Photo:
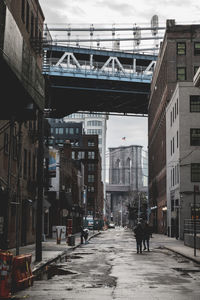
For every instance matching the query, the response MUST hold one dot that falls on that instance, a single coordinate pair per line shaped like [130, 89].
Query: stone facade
[125, 181]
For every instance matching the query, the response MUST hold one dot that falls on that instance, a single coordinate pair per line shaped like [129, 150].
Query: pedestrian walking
[146, 237]
[139, 234]
[84, 235]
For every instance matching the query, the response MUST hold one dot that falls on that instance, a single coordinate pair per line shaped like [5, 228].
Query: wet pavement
[108, 267]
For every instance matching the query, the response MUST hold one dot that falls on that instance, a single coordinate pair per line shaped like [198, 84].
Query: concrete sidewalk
[51, 251]
[176, 246]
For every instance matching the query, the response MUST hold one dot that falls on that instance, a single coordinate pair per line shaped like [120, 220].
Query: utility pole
[9, 178]
[40, 183]
[18, 200]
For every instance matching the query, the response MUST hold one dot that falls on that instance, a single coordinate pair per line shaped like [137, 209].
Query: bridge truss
[98, 79]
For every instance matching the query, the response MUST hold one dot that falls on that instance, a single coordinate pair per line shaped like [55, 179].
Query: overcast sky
[118, 11]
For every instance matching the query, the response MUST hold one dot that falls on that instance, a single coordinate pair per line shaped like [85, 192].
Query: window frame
[192, 98]
[196, 52]
[178, 50]
[192, 173]
[178, 74]
[192, 140]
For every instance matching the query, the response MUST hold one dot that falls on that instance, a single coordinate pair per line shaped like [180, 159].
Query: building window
[23, 10]
[14, 147]
[91, 155]
[71, 130]
[175, 111]
[181, 73]
[91, 167]
[196, 69]
[59, 130]
[195, 172]
[94, 123]
[25, 164]
[177, 107]
[173, 145]
[171, 177]
[27, 16]
[177, 174]
[94, 131]
[6, 143]
[171, 118]
[195, 103]
[181, 48]
[33, 166]
[73, 154]
[91, 143]
[36, 27]
[29, 164]
[195, 136]
[177, 139]
[77, 130]
[90, 178]
[81, 154]
[197, 48]
[32, 25]
[91, 189]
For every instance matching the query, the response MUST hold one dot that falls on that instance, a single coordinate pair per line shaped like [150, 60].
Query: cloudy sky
[118, 11]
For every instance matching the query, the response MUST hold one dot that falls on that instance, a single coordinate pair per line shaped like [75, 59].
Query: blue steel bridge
[96, 79]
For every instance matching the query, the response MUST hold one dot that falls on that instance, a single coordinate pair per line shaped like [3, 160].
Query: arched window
[117, 171]
[128, 171]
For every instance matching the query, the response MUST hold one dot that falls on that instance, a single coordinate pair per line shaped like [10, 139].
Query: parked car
[111, 225]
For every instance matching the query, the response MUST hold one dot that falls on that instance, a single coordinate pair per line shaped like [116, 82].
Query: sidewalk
[176, 246]
[51, 251]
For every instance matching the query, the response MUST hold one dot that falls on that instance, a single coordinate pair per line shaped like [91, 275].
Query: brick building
[178, 60]
[89, 155]
[21, 66]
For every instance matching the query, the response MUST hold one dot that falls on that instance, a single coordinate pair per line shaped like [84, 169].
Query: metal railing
[86, 69]
[189, 226]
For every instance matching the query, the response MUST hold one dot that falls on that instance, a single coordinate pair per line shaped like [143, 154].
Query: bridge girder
[120, 92]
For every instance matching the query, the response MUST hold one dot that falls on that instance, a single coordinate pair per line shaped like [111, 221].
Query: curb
[184, 255]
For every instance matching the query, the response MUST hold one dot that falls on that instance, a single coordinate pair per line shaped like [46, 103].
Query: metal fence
[189, 226]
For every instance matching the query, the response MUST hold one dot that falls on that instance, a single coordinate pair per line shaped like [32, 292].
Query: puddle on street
[184, 270]
[59, 271]
[55, 270]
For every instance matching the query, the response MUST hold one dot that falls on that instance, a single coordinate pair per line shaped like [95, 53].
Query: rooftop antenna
[154, 30]
[137, 37]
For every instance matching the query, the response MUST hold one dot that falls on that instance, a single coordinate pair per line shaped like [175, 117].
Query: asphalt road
[109, 268]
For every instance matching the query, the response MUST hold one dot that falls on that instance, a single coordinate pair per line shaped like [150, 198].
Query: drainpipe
[40, 171]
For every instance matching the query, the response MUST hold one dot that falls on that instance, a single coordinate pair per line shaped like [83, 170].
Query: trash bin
[71, 240]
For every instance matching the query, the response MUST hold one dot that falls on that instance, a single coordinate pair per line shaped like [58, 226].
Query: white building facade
[182, 156]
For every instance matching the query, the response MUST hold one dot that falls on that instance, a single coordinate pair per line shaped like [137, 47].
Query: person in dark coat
[84, 235]
[147, 234]
[139, 234]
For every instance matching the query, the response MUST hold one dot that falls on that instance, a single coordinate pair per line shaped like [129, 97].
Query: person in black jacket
[139, 235]
[147, 234]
